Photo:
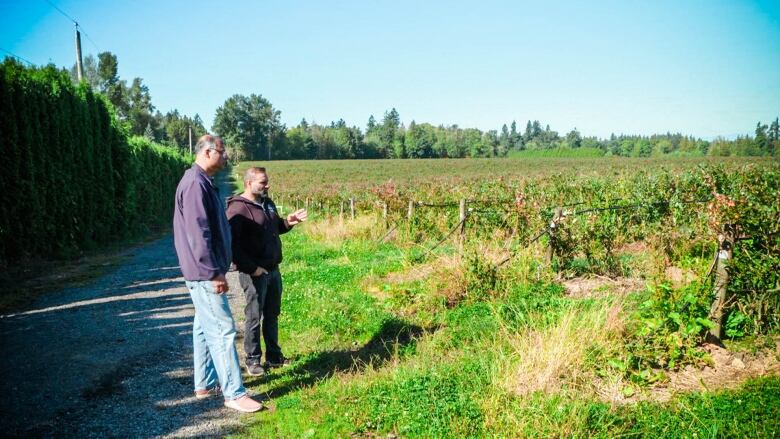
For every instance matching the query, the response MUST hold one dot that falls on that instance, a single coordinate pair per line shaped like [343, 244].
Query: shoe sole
[210, 394]
[275, 365]
[255, 374]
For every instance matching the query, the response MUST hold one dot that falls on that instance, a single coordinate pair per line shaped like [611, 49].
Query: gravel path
[112, 359]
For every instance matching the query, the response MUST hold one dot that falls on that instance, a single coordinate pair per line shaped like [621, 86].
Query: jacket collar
[200, 171]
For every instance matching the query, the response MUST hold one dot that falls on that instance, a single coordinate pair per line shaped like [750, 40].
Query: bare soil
[728, 370]
[601, 286]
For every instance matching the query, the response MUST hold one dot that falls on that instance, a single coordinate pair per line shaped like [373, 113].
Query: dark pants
[263, 301]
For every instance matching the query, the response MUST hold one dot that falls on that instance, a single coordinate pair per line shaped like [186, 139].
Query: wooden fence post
[341, 210]
[725, 253]
[410, 212]
[551, 232]
[306, 204]
[462, 218]
[352, 208]
[384, 213]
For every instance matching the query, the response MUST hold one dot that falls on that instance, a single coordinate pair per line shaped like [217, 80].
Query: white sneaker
[244, 404]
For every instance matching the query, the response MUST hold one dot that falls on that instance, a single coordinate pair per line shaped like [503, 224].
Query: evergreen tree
[149, 133]
[761, 142]
[515, 138]
[389, 134]
[504, 139]
[774, 130]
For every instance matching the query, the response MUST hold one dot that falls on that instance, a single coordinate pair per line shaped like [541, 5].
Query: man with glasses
[202, 240]
[257, 252]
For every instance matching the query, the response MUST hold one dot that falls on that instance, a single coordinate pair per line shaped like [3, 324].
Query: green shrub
[665, 331]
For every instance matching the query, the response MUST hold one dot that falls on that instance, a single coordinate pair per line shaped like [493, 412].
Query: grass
[564, 354]
[750, 411]
[379, 349]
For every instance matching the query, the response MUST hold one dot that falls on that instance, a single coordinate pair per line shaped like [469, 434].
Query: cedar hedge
[71, 178]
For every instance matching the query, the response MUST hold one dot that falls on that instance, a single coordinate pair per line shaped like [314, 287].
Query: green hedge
[71, 179]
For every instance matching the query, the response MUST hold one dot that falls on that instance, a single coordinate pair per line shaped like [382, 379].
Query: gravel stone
[111, 359]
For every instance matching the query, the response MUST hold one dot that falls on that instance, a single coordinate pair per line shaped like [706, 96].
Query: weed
[665, 331]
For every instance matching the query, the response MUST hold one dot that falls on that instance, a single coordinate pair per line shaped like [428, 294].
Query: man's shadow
[392, 337]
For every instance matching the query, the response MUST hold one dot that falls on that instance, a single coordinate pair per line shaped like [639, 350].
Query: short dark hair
[251, 172]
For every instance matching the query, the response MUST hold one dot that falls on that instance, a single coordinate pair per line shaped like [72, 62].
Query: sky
[705, 68]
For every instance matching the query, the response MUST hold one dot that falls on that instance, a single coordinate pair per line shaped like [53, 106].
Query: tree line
[72, 177]
[253, 130]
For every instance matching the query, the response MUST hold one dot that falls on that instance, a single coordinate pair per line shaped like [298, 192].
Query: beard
[260, 194]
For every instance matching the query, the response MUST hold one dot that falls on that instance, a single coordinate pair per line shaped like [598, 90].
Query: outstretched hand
[296, 217]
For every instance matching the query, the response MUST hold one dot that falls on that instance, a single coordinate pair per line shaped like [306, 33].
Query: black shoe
[255, 369]
[277, 363]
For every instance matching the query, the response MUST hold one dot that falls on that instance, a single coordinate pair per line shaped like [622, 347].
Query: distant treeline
[250, 124]
[71, 177]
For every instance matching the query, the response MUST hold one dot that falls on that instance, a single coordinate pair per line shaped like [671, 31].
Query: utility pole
[190, 129]
[79, 70]
[269, 144]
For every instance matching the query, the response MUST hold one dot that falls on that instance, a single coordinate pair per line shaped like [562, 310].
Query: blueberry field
[527, 297]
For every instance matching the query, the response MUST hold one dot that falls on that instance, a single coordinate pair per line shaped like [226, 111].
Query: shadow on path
[109, 359]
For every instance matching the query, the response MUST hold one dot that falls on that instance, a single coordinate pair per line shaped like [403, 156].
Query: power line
[90, 40]
[16, 56]
[62, 12]
[78, 26]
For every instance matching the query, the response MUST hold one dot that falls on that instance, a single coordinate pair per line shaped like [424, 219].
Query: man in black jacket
[257, 252]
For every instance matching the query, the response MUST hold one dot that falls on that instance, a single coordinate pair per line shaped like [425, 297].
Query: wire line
[16, 56]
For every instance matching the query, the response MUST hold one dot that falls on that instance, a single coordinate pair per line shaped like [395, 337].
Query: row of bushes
[71, 178]
[612, 223]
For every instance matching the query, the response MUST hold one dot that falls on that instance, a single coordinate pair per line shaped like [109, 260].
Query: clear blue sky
[705, 68]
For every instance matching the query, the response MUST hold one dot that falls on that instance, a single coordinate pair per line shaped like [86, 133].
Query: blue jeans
[213, 339]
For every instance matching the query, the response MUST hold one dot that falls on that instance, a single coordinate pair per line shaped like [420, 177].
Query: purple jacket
[201, 233]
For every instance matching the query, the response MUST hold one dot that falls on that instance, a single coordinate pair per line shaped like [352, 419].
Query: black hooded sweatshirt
[255, 228]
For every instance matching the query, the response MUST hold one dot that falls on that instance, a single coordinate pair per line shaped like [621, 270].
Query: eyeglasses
[220, 151]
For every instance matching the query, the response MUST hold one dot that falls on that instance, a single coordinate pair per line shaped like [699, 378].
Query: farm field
[499, 241]
[352, 177]
[508, 327]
